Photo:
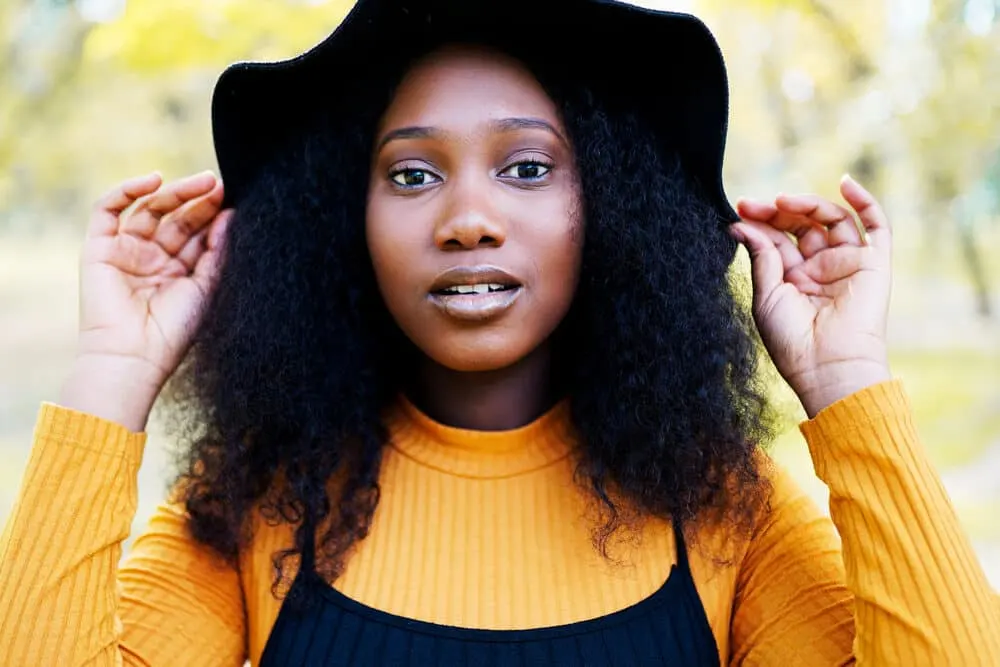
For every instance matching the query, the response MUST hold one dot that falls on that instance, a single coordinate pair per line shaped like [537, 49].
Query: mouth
[477, 288]
[475, 293]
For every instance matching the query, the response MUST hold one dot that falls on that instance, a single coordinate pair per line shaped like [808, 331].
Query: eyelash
[399, 172]
[545, 164]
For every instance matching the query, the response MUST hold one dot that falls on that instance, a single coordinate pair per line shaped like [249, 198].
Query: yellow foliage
[157, 36]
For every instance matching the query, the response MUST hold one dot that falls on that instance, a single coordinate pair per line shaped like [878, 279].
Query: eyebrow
[502, 125]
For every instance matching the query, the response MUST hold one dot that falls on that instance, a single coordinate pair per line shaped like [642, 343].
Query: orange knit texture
[488, 530]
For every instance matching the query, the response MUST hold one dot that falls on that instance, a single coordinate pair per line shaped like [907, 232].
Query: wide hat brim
[665, 66]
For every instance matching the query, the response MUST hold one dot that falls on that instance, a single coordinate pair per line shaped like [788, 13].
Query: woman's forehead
[458, 86]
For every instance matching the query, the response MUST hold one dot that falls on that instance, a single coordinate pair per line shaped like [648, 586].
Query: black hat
[664, 66]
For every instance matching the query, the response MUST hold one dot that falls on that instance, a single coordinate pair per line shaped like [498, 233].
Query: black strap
[302, 595]
[682, 556]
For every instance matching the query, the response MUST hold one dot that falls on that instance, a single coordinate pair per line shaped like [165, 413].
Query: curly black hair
[297, 359]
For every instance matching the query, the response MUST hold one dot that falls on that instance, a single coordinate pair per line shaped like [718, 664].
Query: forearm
[920, 595]
[60, 548]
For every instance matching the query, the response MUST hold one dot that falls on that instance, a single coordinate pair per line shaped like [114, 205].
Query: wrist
[118, 389]
[825, 386]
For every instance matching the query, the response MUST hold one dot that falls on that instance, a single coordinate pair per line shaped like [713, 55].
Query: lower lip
[476, 307]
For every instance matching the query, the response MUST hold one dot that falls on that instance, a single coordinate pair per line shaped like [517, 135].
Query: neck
[498, 400]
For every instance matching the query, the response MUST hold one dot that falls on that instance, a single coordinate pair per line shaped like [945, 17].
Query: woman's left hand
[821, 290]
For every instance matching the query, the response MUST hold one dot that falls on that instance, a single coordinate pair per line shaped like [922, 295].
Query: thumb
[766, 266]
[206, 270]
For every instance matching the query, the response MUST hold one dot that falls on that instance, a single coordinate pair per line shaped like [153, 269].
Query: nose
[470, 219]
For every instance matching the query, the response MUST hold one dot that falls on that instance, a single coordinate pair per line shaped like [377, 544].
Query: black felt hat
[666, 67]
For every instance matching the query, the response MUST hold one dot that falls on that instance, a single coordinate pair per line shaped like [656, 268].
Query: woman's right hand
[145, 278]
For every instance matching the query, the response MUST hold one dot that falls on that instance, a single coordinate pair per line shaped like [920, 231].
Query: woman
[468, 382]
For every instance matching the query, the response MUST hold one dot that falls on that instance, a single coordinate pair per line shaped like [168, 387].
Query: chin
[475, 353]
[476, 360]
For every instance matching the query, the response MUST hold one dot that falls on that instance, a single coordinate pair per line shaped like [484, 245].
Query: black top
[667, 628]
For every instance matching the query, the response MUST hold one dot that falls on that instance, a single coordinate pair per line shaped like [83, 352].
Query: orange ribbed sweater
[488, 530]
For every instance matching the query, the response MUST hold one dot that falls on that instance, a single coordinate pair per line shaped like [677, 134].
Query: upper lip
[473, 275]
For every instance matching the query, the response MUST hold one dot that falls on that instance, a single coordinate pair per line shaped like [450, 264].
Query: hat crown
[665, 66]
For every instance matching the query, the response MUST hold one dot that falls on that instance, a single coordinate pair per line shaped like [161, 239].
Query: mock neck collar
[481, 454]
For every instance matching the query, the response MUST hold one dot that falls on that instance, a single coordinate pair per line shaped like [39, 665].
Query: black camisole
[667, 628]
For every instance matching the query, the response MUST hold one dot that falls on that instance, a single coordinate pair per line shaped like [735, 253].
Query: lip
[474, 307]
[473, 275]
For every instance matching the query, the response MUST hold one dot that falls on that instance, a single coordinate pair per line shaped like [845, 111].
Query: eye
[413, 178]
[527, 170]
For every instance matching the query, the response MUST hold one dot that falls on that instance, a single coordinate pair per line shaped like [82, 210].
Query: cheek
[556, 253]
[560, 253]
[392, 250]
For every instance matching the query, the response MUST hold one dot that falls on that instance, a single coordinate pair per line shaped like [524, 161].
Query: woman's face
[474, 214]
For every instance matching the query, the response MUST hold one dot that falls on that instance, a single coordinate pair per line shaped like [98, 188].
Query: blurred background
[903, 94]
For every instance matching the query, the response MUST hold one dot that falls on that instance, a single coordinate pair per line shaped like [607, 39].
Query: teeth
[482, 288]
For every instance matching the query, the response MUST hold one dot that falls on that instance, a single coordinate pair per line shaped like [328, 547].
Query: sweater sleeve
[64, 600]
[904, 588]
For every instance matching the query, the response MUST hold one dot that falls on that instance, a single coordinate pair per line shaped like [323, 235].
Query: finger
[840, 223]
[811, 235]
[104, 219]
[792, 223]
[766, 266]
[814, 240]
[145, 217]
[179, 226]
[836, 264]
[752, 209]
[789, 251]
[217, 230]
[207, 269]
[209, 238]
[192, 250]
[873, 218]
